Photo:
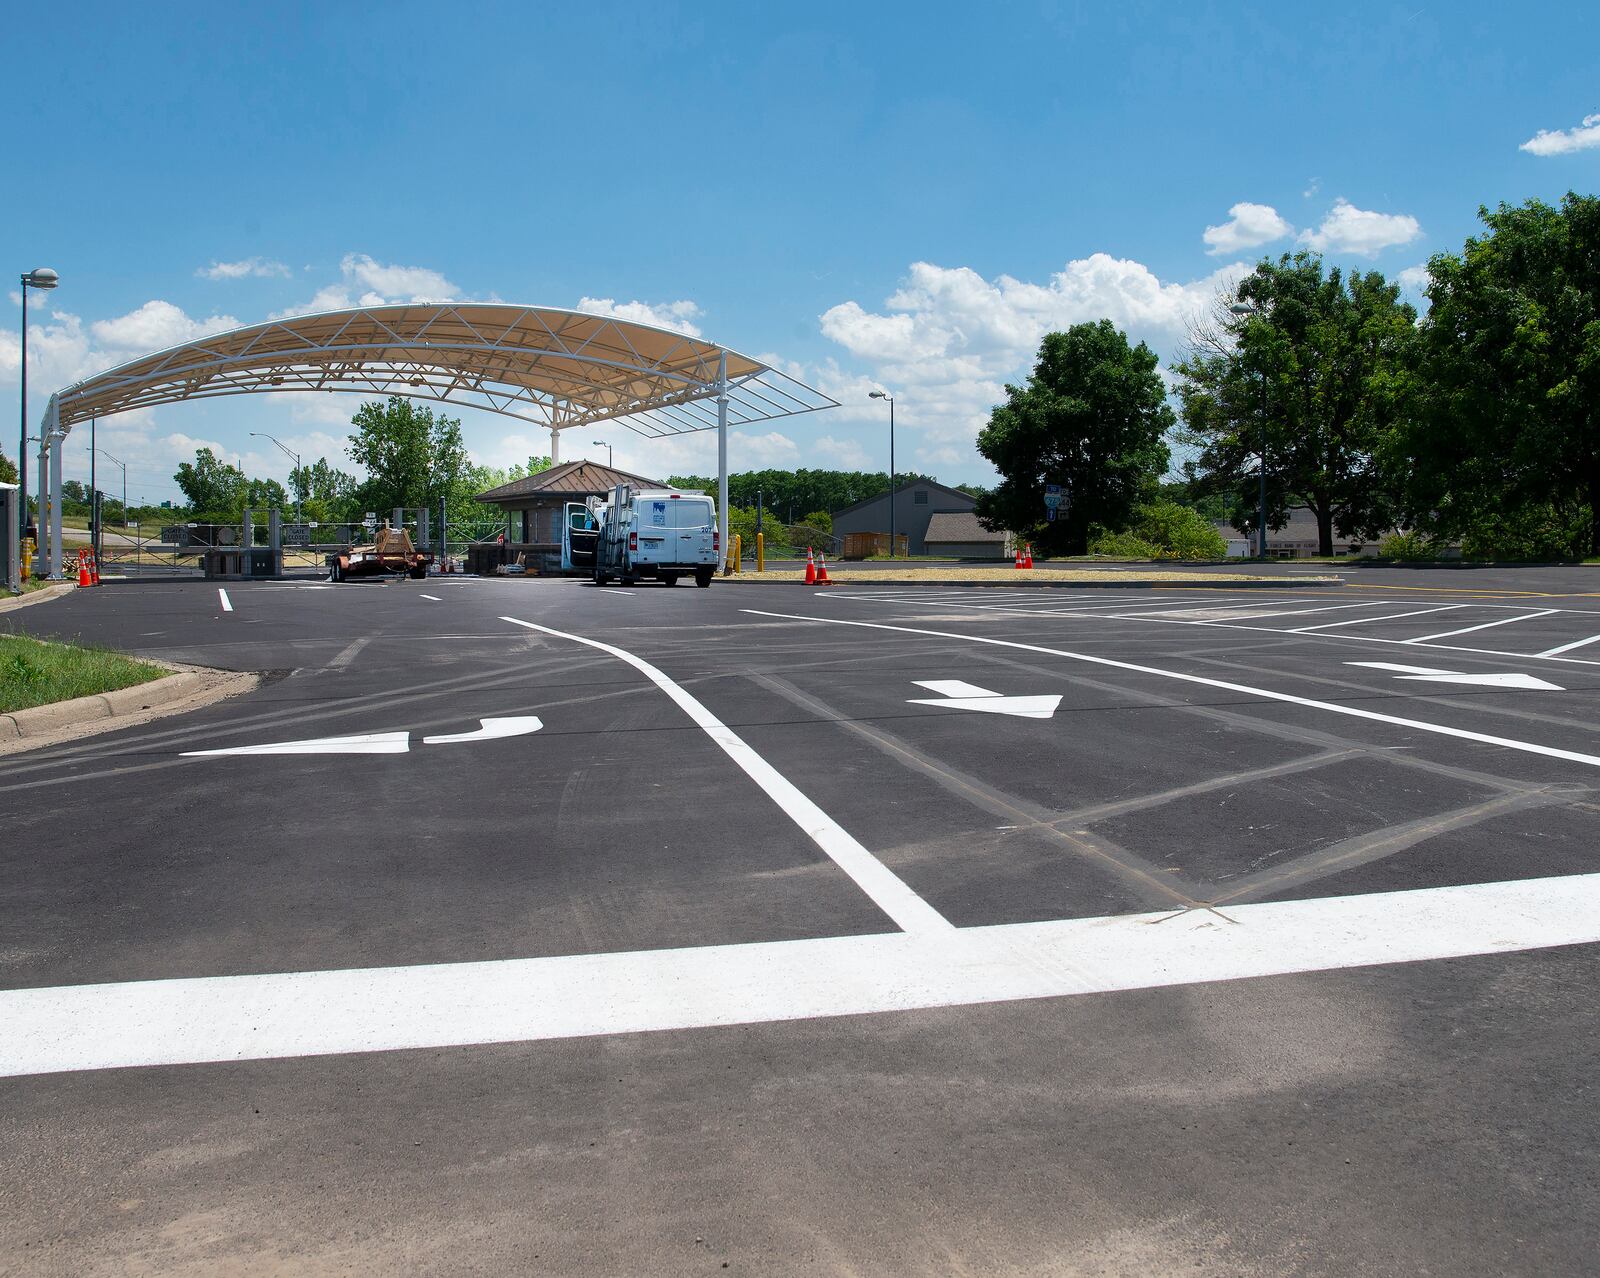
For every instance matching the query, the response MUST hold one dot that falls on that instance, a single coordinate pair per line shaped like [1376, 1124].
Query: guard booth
[248, 561]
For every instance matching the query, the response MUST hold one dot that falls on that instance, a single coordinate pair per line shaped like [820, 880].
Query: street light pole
[600, 443]
[1244, 308]
[294, 456]
[41, 278]
[893, 542]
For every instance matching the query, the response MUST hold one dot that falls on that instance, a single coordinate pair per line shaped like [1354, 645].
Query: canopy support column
[722, 458]
[57, 441]
[555, 445]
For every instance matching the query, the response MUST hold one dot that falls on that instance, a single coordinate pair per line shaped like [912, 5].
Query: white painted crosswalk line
[1487, 625]
[259, 1017]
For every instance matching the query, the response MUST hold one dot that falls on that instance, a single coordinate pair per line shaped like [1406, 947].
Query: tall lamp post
[41, 278]
[1245, 309]
[893, 542]
[600, 443]
[261, 434]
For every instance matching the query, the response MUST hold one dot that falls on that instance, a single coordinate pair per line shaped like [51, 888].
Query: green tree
[411, 456]
[8, 470]
[211, 486]
[1504, 442]
[1092, 418]
[1314, 376]
[330, 489]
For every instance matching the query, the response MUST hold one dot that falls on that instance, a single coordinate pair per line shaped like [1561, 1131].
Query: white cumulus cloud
[1347, 229]
[678, 316]
[259, 267]
[1415, 278]
[1248, 225]
[948, 340]
[153, 326]
[363, 281]
[1561, 141]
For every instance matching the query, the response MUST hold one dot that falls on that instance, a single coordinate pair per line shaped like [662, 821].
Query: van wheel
[670, 578]
[600, 578]
[702, 578]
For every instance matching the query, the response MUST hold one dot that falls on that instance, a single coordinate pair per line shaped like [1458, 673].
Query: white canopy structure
[556, 368]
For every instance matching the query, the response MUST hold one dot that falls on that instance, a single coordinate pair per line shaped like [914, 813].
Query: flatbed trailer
[390, 552]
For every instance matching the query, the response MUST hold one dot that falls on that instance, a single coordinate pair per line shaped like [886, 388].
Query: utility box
[10, 547]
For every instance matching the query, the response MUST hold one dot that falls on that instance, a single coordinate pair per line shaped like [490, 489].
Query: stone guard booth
[535, 506]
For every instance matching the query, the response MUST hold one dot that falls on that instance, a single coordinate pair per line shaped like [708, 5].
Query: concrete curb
[37, 596]
[187, 688]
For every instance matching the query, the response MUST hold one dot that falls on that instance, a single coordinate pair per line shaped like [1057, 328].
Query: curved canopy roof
[557, 368]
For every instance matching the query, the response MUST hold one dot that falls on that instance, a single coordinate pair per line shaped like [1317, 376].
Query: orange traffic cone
[1019, 558]
[822, 570]
[94, 569]
[1027, 554]
[83, 571]
[811, 567]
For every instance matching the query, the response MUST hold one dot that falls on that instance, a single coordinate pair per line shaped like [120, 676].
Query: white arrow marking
[492, 730]
[1426, 674]
[955, 695]
[369, 743]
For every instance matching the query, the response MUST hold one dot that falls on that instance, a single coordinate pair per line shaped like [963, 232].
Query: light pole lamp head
[879, 395]
[42, 277]
[1244, 308]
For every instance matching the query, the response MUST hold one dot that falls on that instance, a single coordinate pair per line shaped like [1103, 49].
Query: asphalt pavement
[529, 926]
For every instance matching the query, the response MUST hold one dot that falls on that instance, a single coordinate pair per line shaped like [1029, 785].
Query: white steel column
[555, 445]
[57, 440]
[41, 563]
[722, 455]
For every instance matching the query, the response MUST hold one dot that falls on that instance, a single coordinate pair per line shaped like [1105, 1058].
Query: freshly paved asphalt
[1431, 1117]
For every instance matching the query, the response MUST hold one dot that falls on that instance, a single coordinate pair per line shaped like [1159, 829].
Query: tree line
[1476, 423]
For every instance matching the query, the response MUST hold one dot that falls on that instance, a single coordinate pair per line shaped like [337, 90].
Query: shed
[960, 535]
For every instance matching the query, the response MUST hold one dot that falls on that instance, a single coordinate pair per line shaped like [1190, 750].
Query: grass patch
[35, 674]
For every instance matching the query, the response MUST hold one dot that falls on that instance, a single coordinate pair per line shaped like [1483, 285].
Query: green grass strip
[33, 673]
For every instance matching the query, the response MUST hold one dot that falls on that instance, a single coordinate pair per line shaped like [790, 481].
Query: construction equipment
[390, 551]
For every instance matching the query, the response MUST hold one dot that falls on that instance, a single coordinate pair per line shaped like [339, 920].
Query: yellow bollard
[761, 552]
[738, 553]
[26, 566]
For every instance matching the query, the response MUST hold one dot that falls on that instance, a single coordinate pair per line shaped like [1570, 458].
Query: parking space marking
[1568, 647]
[885, 888]
[1356, 621]
[435, 598]
[227, 604]
[1486, 625]
[261, 1017]
[1354, 712]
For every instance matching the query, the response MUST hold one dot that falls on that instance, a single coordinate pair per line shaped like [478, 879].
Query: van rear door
[692, 529]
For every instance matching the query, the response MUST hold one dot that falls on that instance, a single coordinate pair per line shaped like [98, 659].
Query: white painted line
[1487, 625]
[887, 890]
[491, 730]
[367, 743]
[1393, 616]
[1568, 647]
[1354, 712]
[953, 688]
[1428, 674]
[233, 1018]
[435, 598]
[227, 604]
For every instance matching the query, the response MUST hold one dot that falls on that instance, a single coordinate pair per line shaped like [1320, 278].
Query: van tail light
[716, 539]
[633, 541]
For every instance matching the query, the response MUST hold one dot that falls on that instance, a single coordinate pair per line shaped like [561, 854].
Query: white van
[665, 535]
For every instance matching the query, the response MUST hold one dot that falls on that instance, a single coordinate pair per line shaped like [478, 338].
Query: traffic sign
[1052, 496]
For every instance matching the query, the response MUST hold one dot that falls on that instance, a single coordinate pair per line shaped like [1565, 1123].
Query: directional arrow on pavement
[955, 695]
[385, 742]
[1426, 674]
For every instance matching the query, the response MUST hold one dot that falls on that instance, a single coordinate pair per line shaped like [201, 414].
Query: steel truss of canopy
[556, 368]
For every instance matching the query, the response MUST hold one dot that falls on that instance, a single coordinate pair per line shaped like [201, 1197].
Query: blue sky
[903, 196]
